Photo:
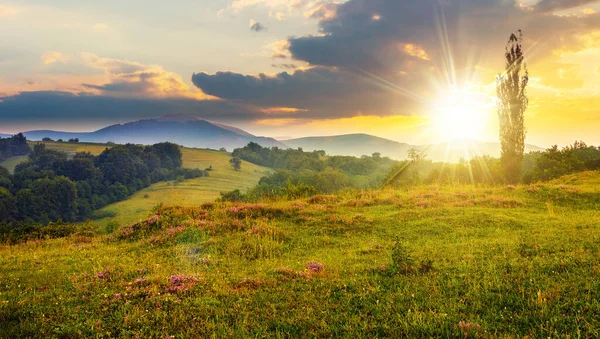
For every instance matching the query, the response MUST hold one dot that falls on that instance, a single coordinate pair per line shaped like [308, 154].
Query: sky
[410, 71]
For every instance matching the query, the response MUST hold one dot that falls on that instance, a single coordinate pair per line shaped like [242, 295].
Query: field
[190, 192]
[463, 262]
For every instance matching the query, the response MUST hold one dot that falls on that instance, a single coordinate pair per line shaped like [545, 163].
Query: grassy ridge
[190, 192]
[507, 262]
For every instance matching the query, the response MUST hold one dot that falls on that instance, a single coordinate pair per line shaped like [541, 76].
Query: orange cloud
[415, 51]
[279, 49]
[276, 122]
[282, 110]
[127, 78]
[588, 11]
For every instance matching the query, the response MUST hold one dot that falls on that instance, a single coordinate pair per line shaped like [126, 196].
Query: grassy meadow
[190, 192]
[223, 178]
[433, 261]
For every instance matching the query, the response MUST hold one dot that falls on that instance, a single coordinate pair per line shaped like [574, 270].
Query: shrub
[232, 196]
[402, 261]
[23, 231]
[297, 191]
[111, 227]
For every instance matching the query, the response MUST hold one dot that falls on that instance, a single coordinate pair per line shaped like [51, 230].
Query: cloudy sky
[291, 68]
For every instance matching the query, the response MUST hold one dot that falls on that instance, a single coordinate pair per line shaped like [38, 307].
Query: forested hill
[51, 186]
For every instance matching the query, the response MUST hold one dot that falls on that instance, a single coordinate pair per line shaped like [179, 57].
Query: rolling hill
[189, 192]
[423, 262]
[352, 145]
[364, 144]
[186, 130]
[191, 131]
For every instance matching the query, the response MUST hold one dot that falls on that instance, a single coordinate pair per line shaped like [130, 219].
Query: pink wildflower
[315, 266]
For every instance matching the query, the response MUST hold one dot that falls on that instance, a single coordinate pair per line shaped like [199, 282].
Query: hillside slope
[195, 191]
[500, 262]
[187, 193]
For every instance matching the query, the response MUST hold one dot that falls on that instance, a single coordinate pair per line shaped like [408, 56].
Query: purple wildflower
[315, 266]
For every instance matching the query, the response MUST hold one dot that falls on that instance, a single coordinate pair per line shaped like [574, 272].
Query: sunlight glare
[461, 115]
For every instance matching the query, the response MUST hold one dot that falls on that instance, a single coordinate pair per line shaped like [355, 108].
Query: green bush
[402, 261]
[111, 227]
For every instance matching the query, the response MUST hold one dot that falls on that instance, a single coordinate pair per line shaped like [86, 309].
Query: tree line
[299, 173]
[485, 170]
[13, 147]
[52, 187]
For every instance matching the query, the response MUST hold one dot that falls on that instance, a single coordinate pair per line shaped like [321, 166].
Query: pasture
[432, 261]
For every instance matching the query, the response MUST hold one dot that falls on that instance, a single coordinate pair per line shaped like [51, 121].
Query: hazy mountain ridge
[181, 129]
[192, 131]
[364, 144]
[351, 145]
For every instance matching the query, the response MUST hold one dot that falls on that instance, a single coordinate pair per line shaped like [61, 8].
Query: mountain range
[181, 129]
[192, 131]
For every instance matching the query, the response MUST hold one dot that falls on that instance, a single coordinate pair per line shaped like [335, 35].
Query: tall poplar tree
[512, 104]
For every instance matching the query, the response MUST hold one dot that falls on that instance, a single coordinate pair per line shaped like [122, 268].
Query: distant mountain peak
[180, 117]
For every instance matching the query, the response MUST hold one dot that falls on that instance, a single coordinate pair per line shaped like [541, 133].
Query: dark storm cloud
[33, 108]
[554, 5]
[366, 34]
[257, 27]
[320, 92]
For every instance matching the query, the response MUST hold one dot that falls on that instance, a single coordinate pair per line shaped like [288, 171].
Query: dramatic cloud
[127, 78]
[389, 57]
[256, 26]
[35, 109]
[318, 92]
[279, 49]
[458, 31]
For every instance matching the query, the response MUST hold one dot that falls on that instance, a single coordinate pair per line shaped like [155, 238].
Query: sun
[461, 114]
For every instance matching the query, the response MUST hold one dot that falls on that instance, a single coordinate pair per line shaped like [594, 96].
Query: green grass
[190, 192]
[12, 162]
[514, 262]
